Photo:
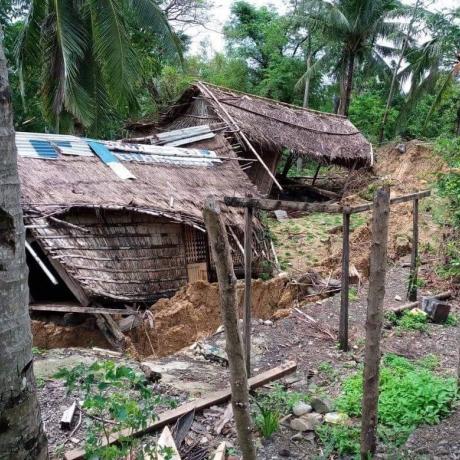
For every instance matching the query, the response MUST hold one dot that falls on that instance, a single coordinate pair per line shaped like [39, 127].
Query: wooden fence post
[376, 295]
[247, 287]
[345, 281]
[227, 292]
[412, 291]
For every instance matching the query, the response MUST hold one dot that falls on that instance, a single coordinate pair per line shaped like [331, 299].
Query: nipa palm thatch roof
[272, 126]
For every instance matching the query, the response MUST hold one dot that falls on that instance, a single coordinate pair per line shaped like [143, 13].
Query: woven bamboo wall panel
[195, 245]
[117, 255]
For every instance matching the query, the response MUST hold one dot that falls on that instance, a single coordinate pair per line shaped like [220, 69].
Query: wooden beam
[240, 133]
[67, 416]
[394, 200]
[61, 308]
[273, 205]
[409, 306]
[374, 321]
[345, 282]
[247, 288]
[170, 416]
[412, 290]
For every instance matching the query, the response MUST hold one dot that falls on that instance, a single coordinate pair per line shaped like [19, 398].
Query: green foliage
[353, 294]
[366, 112]
[410, 394]
[116, 398]
[267, 421]
[413, 321]
[452, 320]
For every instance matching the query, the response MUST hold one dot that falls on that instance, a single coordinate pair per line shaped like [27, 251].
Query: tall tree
[21, 430]
[84, 51]
[356, 26]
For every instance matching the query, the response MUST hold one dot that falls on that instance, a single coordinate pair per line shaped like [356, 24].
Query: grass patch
[411, 394]
[411, 320]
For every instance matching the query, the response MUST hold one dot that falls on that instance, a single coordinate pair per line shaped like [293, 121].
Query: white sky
[221, 14]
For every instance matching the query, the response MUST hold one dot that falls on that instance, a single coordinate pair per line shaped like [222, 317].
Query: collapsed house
[113, 223]
[261, 129]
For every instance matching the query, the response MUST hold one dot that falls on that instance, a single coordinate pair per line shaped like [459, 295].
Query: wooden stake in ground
[247, 288]
[345, 283]
[376, 294]
[412, 291]
[220, 249]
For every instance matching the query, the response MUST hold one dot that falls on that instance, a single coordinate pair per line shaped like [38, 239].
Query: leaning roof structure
[273, 126]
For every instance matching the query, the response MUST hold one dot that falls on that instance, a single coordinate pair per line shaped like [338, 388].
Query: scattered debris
[67, 416]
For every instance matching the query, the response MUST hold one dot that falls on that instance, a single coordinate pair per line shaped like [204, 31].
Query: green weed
[413, 321]
[410, 394]
[452, 320]
[353, 294]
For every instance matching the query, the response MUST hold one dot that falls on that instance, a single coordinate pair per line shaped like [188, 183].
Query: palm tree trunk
[306, 93]
[343, 89]
[395, 74]
[21, 431]
[347, 85]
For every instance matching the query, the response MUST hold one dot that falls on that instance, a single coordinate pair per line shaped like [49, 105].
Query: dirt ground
[193, 316]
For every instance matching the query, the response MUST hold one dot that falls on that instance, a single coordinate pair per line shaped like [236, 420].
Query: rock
[398, 298]
[403, 245]
[284, 453]
[301, 425]
[336, 418]
[307, 422]
[268, 322]
[285, 420]
[301, 408]
[282, 313]
[321, 405]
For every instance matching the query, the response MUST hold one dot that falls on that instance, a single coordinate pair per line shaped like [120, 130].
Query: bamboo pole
[240, 133]
[345, 282]
[247, 288]
[227, 291]
[412, 291]
[376, 295]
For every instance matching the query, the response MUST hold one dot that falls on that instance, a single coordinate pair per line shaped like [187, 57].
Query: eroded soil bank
[191, 315]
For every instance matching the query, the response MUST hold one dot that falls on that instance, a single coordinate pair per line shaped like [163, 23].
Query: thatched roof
[171, 190]
[271, 125]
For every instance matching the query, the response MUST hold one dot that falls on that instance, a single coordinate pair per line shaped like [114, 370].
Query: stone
[299, 424]
[284, 453]
[268, 322]
[301, 408]
[321, 405]
[336, 418]
[398, 298]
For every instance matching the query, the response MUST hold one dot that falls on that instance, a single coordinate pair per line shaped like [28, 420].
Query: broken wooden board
[220, 452]
[67, 416]
[172, 415]
[166, 444]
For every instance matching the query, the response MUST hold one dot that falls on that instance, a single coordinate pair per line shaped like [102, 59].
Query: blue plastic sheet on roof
[43, 148]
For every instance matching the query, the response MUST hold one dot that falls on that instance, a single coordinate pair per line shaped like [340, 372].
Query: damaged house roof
[73, 188]
[268, 126]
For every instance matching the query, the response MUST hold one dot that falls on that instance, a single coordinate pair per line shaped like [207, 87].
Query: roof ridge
[273, 101]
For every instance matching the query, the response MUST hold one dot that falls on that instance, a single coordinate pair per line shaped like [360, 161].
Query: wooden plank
[272, 205]
[247, 288]
[215, 398]
[345, 283]
[412, 291]
[67, 416]
[77, 309]
[219, 454]
[166, 441]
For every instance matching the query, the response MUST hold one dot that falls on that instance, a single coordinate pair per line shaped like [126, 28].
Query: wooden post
[247, 288]
[412, 291]
[345, 281]
[227, 292]
[316, 174]
[376, 294]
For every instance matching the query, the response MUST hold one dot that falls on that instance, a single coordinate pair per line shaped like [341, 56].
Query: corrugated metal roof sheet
[49, 146]
[41, 145]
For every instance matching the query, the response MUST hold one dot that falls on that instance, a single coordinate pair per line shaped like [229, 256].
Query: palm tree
[356, 25]
[21, 430]
[83, 48]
